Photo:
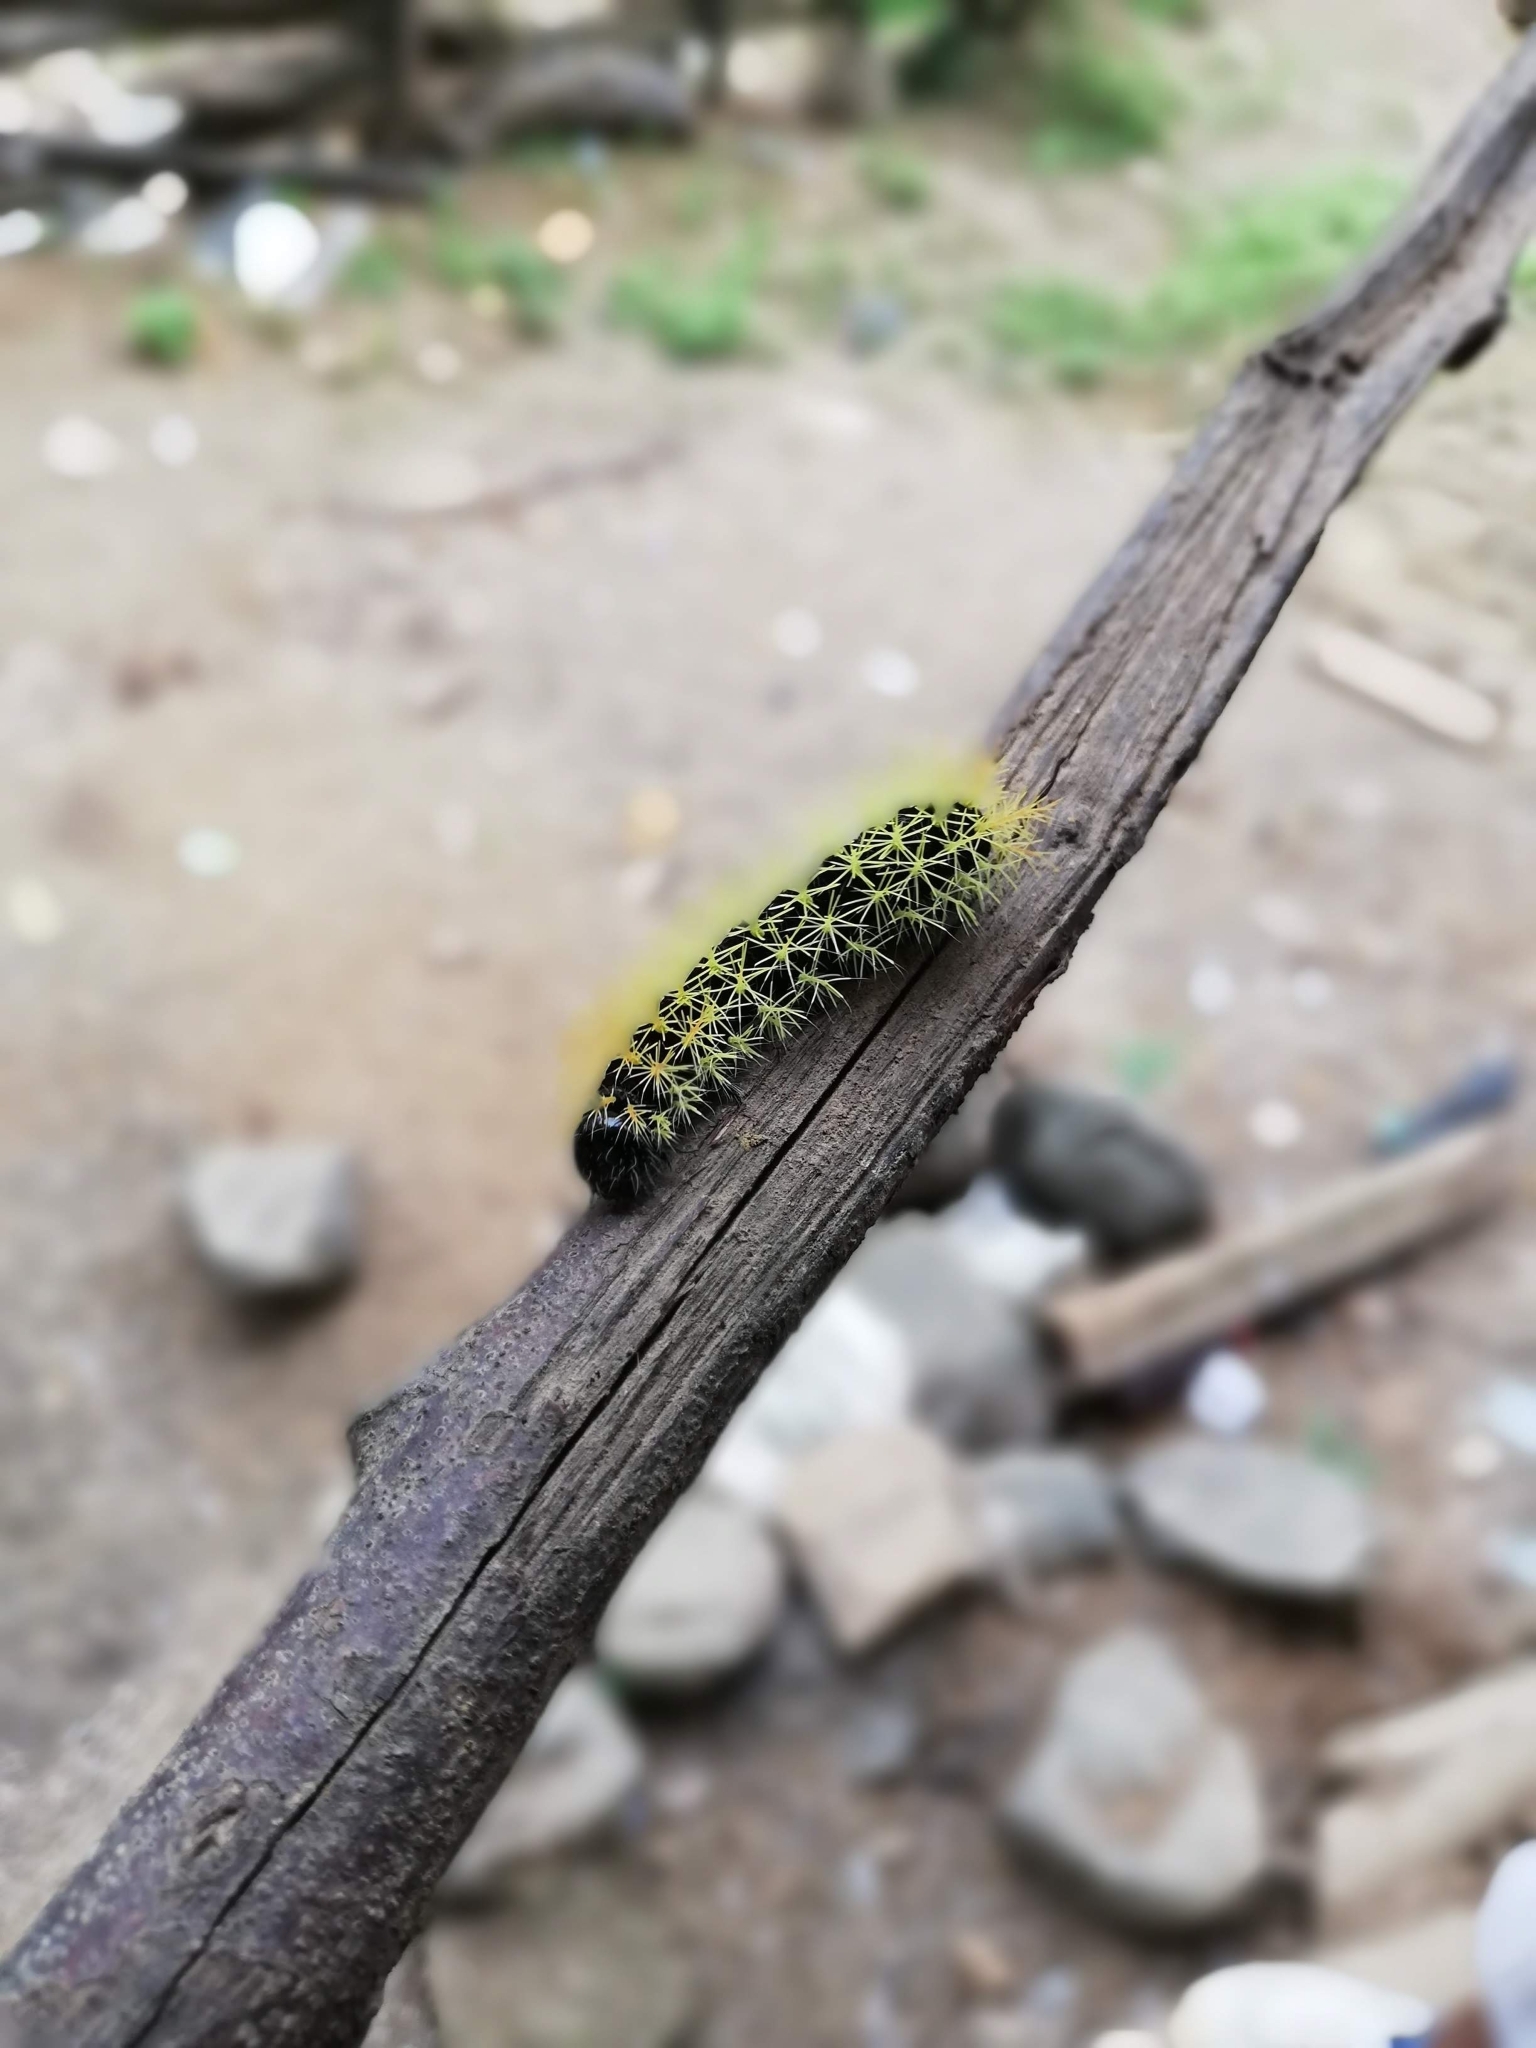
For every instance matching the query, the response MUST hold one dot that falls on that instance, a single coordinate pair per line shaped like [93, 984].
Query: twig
[261, 1885]
[26, 158]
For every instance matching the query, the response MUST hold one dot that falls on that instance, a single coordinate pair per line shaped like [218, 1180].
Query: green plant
[1177, 13]
[534, 286]
[1077, 331]
[1099, 105]
[896, 178]
[377, 271]
[163, 326]
[694, 318]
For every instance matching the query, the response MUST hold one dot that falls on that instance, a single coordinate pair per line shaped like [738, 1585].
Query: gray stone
[880, 1741]
[1268, 1519]
[1014, 1255]
[1039, 1510]
[581, 1764]
[1077, 1159]
[872, 321]
[978, 1377]
[596, 89]
[1293, 2005]
[581, 1957]
[698, 1602]
[275, 1219]
[878, 1524]
[1138, 1794]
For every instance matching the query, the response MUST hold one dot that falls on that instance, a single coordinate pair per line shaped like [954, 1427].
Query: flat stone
[698, 1602]
[1138, 1794]
[1293, 2005]
[1268, 1519]
[1013, 1255]
[1503, 1702]
[1039, 1510]
[878, 1525]
[846, 1367]
[580, 1956]
[275, 1219]
[1087, 1161]
[977, 1376]
[580, 1766]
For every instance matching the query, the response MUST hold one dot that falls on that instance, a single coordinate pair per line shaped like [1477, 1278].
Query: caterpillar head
[617, 1157]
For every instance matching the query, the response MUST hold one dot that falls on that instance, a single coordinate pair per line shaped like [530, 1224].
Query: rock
[846, 1367]
[1085, 1160]
[275, 1219]
[980, 1966]
[698, 1602]
[1502, 1703]
[407, 2018]
[959, 1152]
[1138, 1794]
[1267, 1519]
[1012, 1254]
[976, 1373]
[581, 1764]
[590, 89]
[1506, 1967]
[880, 1741]
[1040, 1510]
[878, 1525]
[1433, 1959]
[872, 321]
[1519, 13]
[1293, 2005]
[582, 1957]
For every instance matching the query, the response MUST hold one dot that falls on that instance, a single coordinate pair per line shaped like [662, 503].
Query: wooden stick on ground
[1108, 1331]
[256, 1891]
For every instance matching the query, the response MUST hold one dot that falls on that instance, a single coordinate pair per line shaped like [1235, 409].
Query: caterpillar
[892, 892]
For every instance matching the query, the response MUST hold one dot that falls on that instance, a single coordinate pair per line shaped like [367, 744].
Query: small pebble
[167, 192]
[81, 449]
[21, 230]
[638, 881]
[890, 673]
[1275, 1125]
[1212, 989]
[566, 236]
[980, 1965]
[209, 854]
[173, 441]
[1226, 1395]
[127, 226]
[797, 635]
[652, 820]
[36, 914]
[275, 246]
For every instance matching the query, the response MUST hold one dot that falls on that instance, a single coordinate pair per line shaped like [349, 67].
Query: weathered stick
[27, 158]
[1109, 1331]
[256, 1891]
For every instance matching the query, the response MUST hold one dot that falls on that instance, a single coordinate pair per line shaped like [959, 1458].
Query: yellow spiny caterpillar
[890, 893]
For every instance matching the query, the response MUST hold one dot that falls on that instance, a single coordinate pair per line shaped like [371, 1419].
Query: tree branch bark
[257, 1890]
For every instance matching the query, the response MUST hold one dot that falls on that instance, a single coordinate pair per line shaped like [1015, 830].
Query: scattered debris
[208, 853]
[578, 1770]
[1073, 1158]
[36, 915]
[1040, 1510]
[974, 1368]
[845, 1368]
[1138, 1794]
[1168, 1310]
[275, 1219]
[1416, 692]
[697, 1603]
[1225, 1396]
[878, 1524]
[1276, 1124]
[890, 672]
[81, 449]
[1268, 1519]
[1294, 2005]
[1487, 1088]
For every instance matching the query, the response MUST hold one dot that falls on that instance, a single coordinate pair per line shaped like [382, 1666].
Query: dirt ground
[422, 731]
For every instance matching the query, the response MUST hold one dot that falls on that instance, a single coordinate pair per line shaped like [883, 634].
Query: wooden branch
[26, 158]
[1108, 1331]
[260, 1886]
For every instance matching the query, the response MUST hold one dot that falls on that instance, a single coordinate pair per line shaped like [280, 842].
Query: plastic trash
[1487, 1087]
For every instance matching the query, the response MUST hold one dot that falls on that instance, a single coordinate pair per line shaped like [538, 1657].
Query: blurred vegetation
[163, 327]
[377, 271]
[694, 315]
[896, 177]
[1264, 258]
[533, 287]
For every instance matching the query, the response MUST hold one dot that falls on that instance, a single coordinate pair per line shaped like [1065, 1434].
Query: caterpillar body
[886, 896]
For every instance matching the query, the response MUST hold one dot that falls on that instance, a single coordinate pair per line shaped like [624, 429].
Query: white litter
[797, 635]
[20, 230]
[890, 673]
[80, 448]
[15, 107]
[167, 192]
[275, 248]
[127, 226]
[1212, 989]
[1226, 1396]
[1506, 1960]
[173, 441]
[36, 914]
[208, 853]
[1275, 1125]
[1434, 702]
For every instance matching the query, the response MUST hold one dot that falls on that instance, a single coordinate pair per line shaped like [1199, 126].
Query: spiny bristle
[892, 892]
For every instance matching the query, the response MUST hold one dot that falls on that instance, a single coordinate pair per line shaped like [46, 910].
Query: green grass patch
[694, 316]
[1262, 261]
[163, 327]
[898, 179]
[534, 287]
[376, 272]
[1175, 13]
[1099, 104]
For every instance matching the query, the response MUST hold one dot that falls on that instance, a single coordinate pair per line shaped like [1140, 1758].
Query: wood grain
[257, 1890]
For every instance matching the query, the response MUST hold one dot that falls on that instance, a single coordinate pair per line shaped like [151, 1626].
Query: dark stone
[1072, 1158]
